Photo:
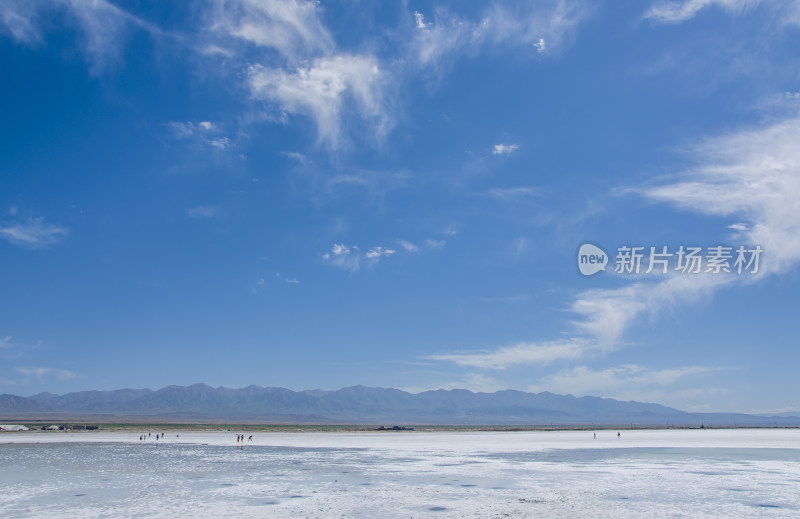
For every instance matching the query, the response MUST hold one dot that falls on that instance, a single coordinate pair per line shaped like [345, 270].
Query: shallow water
[393, 476]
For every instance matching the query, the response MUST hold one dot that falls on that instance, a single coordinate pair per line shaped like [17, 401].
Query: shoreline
[425, 441]
[81, 426]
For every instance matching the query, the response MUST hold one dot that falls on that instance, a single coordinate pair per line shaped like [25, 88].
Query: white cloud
[292, 281]
[290, 27]
[681, 11]
[340, 248]
[377, 252]
[607, 313]
[42, 372]
[324, 90]
[302, 72]
[435, 244]
[434, 41]
[299, 157]
[202, 211]
[751, 176]
[513, 193]
[625, 380]
[375, 181]
[350, 258]
[408, 246]
[784, 12]
[223, 143]
[521, 354]
[204, 134]
[503, 149]
[529, 23]
[33, 233]
[103, 25]
[18, 18]
[542, 25]
[342, 257]
[420, 20]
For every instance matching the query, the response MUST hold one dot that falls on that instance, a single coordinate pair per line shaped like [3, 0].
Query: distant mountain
[12, 404]
[360, 404]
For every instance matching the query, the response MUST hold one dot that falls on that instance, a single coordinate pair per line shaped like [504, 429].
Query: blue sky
[318, 195]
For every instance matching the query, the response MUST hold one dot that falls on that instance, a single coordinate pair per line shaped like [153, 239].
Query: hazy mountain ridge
[366, 405]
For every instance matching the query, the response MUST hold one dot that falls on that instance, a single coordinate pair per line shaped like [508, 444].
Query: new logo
[591, 259]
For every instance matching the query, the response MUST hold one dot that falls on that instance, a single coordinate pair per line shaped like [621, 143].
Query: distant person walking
[618, 435]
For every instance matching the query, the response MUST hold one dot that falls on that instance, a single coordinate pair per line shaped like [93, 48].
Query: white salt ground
[648, 473]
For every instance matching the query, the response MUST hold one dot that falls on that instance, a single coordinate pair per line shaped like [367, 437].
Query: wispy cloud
[408, 246]
[204, 133]
[582, 380]
[324, 90]
[783, 12]
[292, 28]
[680, 11]
[294, 65]
[377, 252]
[352, 258]
[522, 354]
[323, 179]
[103, 25]
[541, 26]
[258, 286]
[435, 244]
[18, 18]
[751, 177]
[342, 257]
[509, 194]
[12, 349]
[203, 211]
[33, 233]
[504, 149]
[42, 372]
[296, 68]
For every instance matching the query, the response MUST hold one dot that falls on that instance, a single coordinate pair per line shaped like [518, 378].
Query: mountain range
[201, 403]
